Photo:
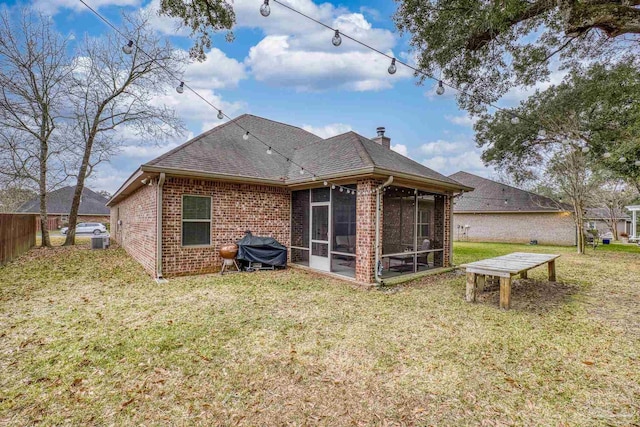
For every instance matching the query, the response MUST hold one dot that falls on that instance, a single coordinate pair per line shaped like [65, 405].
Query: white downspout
[377, 247]
[159, 228]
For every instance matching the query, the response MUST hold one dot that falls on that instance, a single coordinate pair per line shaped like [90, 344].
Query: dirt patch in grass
[86, 337]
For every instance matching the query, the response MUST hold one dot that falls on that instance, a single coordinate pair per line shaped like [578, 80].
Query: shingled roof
[223, 151]
[59, 202]
[490, 196]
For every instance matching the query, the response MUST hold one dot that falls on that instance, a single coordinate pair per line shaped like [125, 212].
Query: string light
[392, 68]
[585, 149]
[265, 10]
[220, 115]
[440, 89]
[515, 120]
[333, 186]
[180, 87]
[313, 178]
[336, 40]
[606, 155]
[637, 163]
[341, 189]
[128, 48]
[246, 137]
[622, 159]
[269, 150]
[301, 171]
[324, 183]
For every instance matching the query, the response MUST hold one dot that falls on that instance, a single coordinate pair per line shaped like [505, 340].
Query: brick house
[496, 212]
[92, 207]
[211, 189]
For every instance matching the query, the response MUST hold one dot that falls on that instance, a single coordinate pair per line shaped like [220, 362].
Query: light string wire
[183, 85]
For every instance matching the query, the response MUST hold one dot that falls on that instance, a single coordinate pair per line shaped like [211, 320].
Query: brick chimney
[381, 139]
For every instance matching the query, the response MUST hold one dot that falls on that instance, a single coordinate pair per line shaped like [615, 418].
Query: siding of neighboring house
[553, 228]
[265, 210]
[602, 227]
[137, 233]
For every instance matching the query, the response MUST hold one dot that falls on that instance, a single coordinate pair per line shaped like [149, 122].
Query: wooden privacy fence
[17, 235]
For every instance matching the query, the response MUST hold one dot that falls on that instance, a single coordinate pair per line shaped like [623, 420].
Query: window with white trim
[196, 220]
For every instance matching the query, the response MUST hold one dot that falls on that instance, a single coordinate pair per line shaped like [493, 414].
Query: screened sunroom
[326, 230]
[323, 229]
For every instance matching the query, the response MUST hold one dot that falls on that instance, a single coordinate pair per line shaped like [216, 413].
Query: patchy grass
[86, 337]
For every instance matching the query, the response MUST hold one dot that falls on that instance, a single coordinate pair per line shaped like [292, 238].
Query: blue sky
[285, 68]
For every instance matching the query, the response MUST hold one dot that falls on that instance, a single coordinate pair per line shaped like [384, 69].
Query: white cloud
[218, 71]
[298, 53]
[276, 61]
[448, 157]
[400, 148]
[329, 130]
[463, 120]
[54, 6]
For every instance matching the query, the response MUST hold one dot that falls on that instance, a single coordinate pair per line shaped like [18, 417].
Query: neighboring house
[496, 212]
[92, 207]
[600, 218]
[175, 211]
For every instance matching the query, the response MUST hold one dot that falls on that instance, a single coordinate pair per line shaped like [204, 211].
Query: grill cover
[266, 250]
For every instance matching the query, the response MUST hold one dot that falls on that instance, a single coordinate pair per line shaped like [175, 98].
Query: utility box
[99, 242]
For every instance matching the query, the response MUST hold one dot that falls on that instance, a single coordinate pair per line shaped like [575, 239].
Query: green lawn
[87, 338]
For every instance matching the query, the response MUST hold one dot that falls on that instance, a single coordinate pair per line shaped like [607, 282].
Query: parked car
[87, 228]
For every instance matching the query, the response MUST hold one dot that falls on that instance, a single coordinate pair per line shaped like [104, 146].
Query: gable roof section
[490, 196]
[59, 202]
[604, 213]
[222, 153]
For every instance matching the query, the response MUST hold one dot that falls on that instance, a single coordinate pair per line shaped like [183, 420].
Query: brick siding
[366, 230]
[554, 228]
[265, 210]
[137, 234]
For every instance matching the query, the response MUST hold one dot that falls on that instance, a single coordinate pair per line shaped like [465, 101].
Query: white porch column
[634, 220]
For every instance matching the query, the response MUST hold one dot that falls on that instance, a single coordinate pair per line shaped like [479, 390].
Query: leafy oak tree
[560, 136]
[489, 47]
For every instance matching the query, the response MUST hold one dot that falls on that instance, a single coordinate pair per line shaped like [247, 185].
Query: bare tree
[114, 91]
[34, 69]
[610, 198]
[11, 198]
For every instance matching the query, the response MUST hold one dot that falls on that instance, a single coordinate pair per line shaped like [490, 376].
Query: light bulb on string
[585, 149]
[269, 150]
[606, 155]
[333, 186]
[128, 48]
[336, 40]
[220, 115]
[637, 163]
[313, 178]
[246, 136]
[265, 10]
[180, 87]
[392, 68]
[622, 159]
[440, 89]
[325, 183]
[515, 120]
[341, 189]
[301, 171]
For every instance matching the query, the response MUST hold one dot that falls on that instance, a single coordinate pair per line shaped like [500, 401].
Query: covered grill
[264, 250]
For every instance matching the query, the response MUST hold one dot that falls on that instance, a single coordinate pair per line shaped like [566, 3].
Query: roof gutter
[208, 175]
[376, 273]
[161, 180]
[448, 185]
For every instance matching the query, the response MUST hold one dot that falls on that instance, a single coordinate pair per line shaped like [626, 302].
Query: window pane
[300, 218]
[196, 233]
[344, 221]
[320, 194]
[320, 223]
[320, 249]
[398, 221]
[195, 207]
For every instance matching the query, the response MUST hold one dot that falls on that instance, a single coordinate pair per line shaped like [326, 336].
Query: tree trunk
[77, 195]
[44, 226]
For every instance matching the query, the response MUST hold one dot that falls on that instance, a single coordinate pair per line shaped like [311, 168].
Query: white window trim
[210, 221]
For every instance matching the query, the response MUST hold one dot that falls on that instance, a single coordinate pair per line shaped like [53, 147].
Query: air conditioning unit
[99, 242]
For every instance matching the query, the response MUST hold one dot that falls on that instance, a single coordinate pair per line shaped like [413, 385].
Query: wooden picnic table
[505, 267]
